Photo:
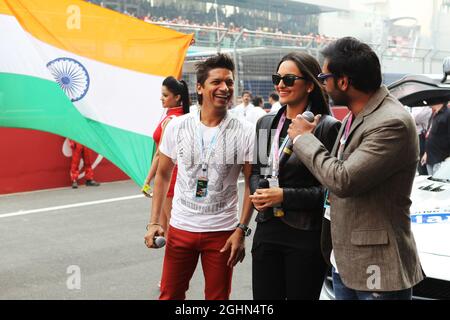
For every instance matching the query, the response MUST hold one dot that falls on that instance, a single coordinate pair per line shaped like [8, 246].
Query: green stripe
[33, 103]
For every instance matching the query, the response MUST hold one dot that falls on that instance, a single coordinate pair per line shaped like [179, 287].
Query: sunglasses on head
[288, 79]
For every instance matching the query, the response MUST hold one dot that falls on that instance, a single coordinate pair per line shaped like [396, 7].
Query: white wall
[364, 26]
[411, 66]
[402, 66]
[365, 20]
[422, 10]
[443, 41]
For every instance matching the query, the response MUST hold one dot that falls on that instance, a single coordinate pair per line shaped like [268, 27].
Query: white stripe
[69, 206]
[18, 54]
[118, 97]
[75, 205]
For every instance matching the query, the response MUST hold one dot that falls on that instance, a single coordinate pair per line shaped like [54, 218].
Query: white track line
[68, 206]
[75, 205]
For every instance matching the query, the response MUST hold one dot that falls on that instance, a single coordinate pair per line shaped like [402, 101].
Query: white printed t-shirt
[249, 113]
[233, 143]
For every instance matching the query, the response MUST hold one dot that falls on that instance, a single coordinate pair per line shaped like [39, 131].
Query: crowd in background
[290, 25]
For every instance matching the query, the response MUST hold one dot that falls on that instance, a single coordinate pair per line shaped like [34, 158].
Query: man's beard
[338, 98]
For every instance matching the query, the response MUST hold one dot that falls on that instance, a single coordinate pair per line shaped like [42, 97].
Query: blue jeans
[342, 292]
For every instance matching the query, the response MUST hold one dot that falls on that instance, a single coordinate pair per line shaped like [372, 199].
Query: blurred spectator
[421, 118]
[246, 99]
[437, 143]
[78, 151]
[274, 102]
[242, 111]
[258, 101]
[258, 110]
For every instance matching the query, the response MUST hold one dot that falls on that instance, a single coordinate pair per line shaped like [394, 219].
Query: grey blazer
[370, 195]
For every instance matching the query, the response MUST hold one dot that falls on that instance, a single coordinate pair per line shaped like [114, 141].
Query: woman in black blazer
[287, 258]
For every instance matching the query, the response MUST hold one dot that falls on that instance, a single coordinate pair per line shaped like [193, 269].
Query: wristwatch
[246, 229]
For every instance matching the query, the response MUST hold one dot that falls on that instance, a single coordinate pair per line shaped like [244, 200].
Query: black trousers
[422, 141]
[281, 272]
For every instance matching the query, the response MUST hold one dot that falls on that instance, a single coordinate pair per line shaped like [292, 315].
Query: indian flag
[87, 73]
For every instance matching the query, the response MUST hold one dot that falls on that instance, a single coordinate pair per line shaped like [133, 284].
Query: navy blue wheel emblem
[71, 76]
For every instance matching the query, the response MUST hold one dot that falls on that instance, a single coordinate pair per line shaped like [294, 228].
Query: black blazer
[303, 196]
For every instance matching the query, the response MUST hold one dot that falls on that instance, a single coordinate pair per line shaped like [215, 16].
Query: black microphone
[277, 210]
[287, 151]
[263, 184]
[159, 241]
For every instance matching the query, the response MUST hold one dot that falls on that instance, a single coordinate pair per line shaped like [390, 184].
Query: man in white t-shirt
[247, 110]
[274, 102]
[257, 111]
[210, 147]
[242, 110]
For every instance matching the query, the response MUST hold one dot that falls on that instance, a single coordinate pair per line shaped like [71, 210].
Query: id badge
[273, 182]
[326, 205]
[327, 214]
[201, 187]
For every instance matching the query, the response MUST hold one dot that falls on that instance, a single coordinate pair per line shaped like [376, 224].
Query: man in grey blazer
[369, 175]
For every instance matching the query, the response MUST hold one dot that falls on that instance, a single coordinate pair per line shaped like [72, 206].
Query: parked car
[430, 209]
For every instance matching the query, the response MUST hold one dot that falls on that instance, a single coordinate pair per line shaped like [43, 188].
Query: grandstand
[257, 33]
[285, 16]
[243, 28]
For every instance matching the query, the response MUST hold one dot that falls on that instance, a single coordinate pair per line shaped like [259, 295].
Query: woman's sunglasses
[288, 79]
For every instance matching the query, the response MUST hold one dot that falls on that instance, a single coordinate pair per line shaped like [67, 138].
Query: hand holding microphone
[299, 126]
[262, 184]
[159, 241]
[266, 196]
[156, 233]
[308, 115]
[287, 150]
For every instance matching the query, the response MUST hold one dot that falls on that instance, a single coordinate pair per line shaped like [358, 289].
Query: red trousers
[79, 150]
[182, 251]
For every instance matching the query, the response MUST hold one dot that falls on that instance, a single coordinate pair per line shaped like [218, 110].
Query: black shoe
[92, 183]
[74, 184]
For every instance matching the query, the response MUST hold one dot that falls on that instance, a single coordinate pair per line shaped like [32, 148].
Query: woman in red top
[175, 98]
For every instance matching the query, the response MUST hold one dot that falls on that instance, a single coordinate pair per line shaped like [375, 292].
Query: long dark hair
[178, 88]
[310, 68]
